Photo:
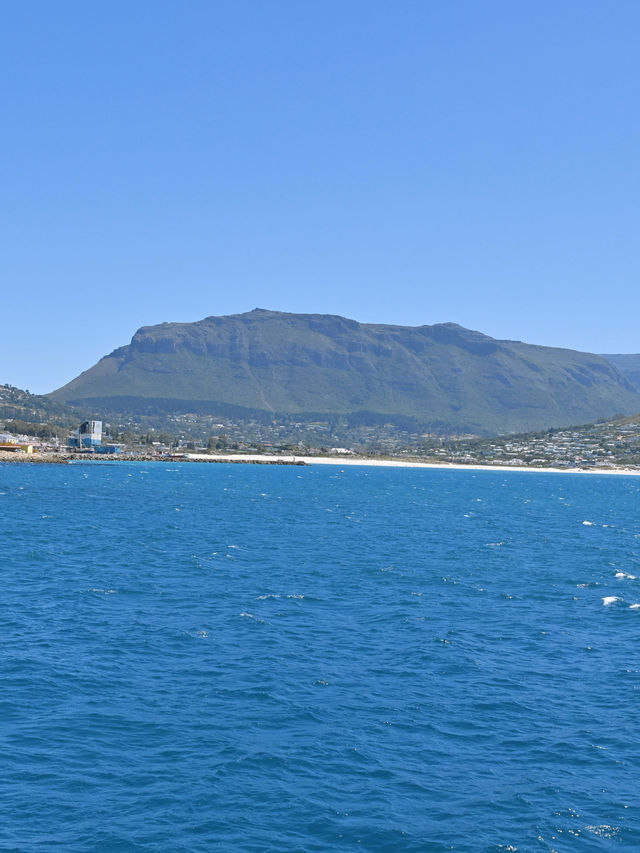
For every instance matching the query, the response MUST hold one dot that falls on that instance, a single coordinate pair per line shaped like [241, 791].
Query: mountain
[265, 363]
[628, 366]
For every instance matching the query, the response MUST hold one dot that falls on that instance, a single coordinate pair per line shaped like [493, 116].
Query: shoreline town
[87, 445]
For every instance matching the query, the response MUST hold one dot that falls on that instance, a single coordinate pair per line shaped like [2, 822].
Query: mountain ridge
[265, 362]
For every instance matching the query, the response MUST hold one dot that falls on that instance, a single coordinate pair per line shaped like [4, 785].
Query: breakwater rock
[63, 458]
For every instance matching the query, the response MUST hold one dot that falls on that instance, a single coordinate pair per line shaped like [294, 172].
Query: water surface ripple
[245, 658]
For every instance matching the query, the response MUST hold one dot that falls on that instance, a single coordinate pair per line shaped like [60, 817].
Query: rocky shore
[41, 458]
[65, 458]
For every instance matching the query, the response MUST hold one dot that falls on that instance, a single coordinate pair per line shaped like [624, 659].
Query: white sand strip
[401, 463]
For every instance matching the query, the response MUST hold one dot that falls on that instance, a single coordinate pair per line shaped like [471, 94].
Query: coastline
[402, 463]
[270, 459]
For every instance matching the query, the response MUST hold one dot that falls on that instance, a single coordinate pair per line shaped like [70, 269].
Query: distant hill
[31, 414]
[262, 363]
[17, 404]
[628, 366]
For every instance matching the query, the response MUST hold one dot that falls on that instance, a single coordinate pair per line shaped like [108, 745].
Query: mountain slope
[628, 366]
[443, 376]
[34, 408]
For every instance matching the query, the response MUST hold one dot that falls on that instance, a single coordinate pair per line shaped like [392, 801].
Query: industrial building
[88, 435]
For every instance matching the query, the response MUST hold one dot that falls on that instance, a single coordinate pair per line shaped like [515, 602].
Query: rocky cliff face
[443, 376]
[628, 366]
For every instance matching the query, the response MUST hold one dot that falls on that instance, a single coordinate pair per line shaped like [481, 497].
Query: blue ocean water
[252, 658]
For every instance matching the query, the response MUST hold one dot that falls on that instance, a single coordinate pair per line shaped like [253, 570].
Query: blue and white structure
[88, 434]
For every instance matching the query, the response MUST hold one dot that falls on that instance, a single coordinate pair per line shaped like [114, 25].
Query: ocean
[204, 657]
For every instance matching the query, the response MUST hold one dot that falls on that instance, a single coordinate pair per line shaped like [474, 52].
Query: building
[88, 434]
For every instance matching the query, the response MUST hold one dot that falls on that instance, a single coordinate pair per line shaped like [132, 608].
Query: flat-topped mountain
[444, 377]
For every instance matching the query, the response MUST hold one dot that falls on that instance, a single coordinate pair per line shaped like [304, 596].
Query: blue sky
[473, 161]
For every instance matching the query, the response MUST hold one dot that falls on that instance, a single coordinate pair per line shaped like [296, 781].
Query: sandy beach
[266, 459]
[401, 463]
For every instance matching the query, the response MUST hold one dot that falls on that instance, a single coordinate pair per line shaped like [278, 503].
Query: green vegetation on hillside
[628, 366]
[605, 444]
[20, 405]
[267, 365]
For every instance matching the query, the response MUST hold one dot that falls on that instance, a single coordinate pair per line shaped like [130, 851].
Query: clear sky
[474, 161]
